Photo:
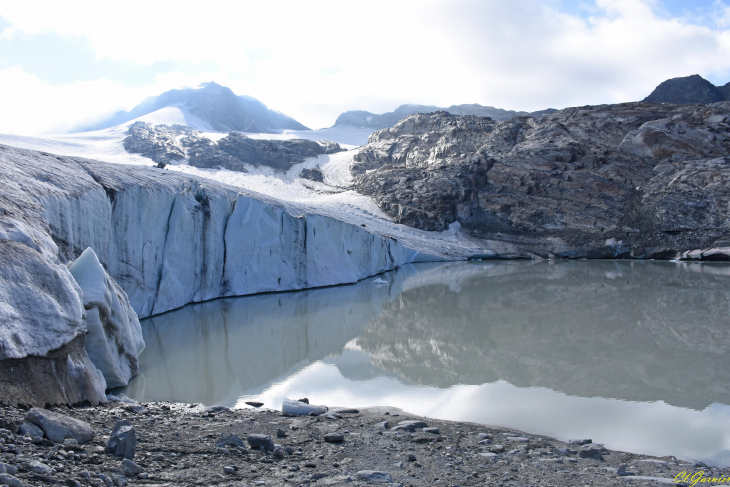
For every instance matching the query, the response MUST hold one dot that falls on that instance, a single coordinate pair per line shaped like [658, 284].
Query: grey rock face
[688, 89]
[605, 181]
[314, 174]
[159, 143]
[123, 440]
[165, 144]
[58, 427]
[215, 105]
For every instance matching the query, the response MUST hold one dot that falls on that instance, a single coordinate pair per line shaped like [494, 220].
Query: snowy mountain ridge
[210, 107]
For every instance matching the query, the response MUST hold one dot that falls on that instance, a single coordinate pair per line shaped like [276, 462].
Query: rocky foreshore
[126, 443]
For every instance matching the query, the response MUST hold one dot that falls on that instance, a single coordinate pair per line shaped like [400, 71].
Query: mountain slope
[215, 105]
[361, 118]
[688, 89]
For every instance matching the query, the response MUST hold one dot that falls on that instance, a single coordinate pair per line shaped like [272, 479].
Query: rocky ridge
[126, 443]
[167, 144]
[362, 118]
[689, 89]
[629, 180]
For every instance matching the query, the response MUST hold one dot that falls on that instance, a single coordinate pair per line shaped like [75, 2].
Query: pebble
[280, 433]
[229, 470]
[254, 404]
[433, 431]
[414, 422]
[334, 437]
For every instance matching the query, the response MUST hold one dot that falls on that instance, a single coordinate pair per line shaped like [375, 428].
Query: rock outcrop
[689, 89]
[166, 239]
[166, 145]
[215, 106]
[633, 179]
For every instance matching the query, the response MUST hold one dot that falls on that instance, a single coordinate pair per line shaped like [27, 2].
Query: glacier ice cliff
[165, 238]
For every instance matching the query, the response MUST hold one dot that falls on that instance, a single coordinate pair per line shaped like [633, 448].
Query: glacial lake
[635, 355]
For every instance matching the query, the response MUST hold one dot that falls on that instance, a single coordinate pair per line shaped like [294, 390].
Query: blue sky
[64, 62]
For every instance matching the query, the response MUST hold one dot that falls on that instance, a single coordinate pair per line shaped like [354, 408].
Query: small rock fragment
[255, 404]
[334, 437]
[434, 431]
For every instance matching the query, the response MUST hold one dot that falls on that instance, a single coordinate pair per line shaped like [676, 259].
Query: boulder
[122, 440]
[257, 441]
[57, 427]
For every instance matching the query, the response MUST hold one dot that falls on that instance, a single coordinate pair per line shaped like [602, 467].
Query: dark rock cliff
[633, 179]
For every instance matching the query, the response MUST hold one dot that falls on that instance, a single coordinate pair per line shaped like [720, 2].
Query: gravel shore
[183, 444]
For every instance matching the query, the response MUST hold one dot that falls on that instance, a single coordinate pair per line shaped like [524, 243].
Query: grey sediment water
[632, 354]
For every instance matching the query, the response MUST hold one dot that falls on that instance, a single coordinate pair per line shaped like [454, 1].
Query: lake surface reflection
[631, 354]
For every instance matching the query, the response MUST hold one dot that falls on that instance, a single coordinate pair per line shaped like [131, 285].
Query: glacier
[165, 239]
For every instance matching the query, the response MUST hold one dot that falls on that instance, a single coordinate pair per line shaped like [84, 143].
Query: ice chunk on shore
[291, 407]
[114, 337]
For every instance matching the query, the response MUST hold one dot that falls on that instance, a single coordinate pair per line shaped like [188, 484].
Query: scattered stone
[622, 472]
[123, 440]
[334, 438]
[27, 428]
[136, 409]
[383, 425]
[258, 440]
[591, 451]
[375, 476]
[58, 427]
[130, 468]
[580, 442]
[304, 400]
[280, 433]
[229, 439]
[433, 431]
[411, 457]
[254, 404]
[561, 451]
[310, 465]
[10, 481]
[404, 427]
[119, 480]
[73, 483]
[40, 468]
[5, 468]
[278, 452]
[415, 423]
[229, 470]
[345, 410]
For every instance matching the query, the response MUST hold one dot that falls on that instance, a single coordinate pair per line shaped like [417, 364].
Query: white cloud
[313, 60]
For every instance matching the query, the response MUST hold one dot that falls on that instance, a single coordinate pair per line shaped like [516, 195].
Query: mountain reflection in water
[632, 354]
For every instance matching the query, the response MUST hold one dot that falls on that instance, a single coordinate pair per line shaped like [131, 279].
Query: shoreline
[186, 445]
